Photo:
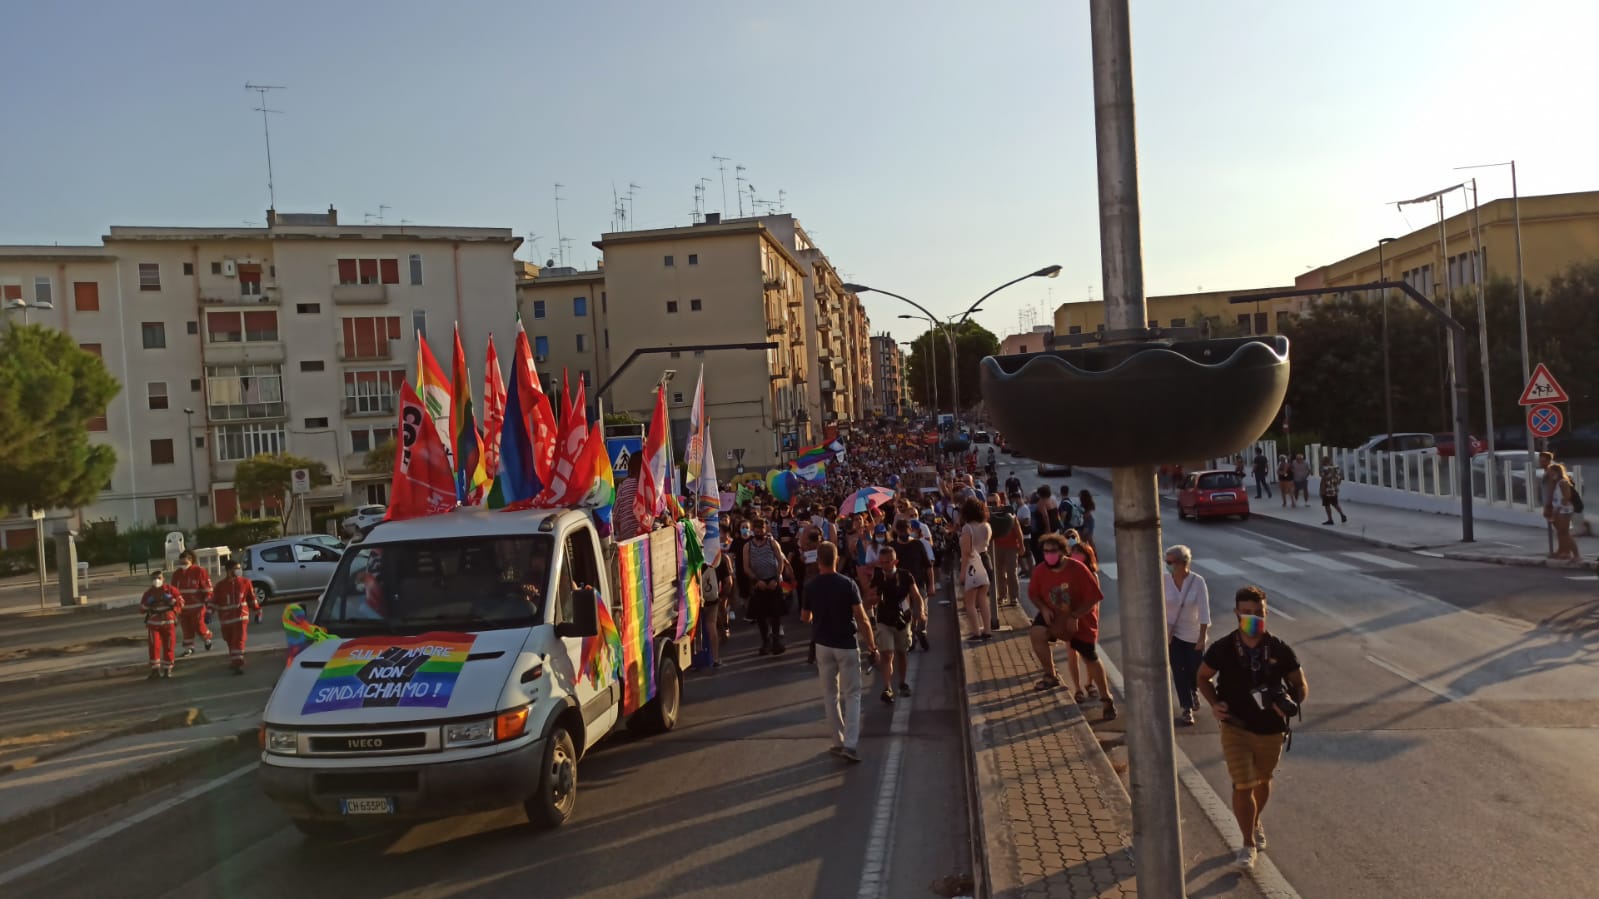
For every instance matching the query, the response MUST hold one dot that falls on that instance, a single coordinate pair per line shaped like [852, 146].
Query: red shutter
[224, 504]
[369, 271]
[90, 348]
[86, 296]
[366, 340]
[10, 291]
[250, 273]
[390, 269]
[261, 325]
[166, 510]
[347, 271]
[20, 538]
[394, 327]
[349, 335]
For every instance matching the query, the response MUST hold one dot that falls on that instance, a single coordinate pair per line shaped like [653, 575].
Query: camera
[1277, 697]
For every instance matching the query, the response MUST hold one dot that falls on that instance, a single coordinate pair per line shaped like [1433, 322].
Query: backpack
[1072, 514]
[1576, 499]
[1002, 522]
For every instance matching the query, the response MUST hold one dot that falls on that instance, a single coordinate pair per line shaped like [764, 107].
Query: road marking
[1428, 554]
[1220, 568]
[1391, 668]
[1218, 810]
[1108, 569]
[1569, 577]
[1375, 559]
[1276, 610]
[1327, 562]
[1293, 546]
[874, 874]
[105, 833]
[1270, 564]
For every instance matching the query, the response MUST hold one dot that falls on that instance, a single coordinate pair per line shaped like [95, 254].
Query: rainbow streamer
[690, 593]
[299, 632]
[609, 640]
[638, 662]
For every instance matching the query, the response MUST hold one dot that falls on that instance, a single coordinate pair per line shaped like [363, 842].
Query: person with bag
[1562, 502]
[1285, 482]
[975, 537]
[1067, 595]
[1081, 668]
[767, 567]
[896, 605]
[1007, 547]
[1187, 627]
[1331, 477]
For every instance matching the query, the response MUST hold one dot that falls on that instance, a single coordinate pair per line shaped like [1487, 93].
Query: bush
[99, 543]
[236, 534]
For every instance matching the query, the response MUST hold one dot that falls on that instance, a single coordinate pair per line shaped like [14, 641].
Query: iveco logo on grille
[369, 742]
[364, 743]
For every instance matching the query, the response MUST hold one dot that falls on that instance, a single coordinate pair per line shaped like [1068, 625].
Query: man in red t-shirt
[1061, 585]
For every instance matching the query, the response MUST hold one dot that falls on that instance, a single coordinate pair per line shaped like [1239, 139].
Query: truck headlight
[282, 742]
[469, 733]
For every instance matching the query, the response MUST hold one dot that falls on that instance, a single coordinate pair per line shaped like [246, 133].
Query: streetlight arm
[973, 307]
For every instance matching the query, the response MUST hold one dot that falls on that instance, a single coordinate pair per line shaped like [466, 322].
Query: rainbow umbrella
[864, 499]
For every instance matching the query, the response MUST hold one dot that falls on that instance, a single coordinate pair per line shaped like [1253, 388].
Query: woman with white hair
[1187, 627]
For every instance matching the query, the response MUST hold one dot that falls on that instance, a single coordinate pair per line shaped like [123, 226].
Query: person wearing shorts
[1061, 585]
[898, 605]
[1244, 676]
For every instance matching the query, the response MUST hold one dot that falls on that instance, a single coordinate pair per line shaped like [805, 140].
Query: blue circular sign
[1544, 421]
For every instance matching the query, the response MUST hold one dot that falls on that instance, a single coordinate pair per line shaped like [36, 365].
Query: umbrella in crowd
[864, 499]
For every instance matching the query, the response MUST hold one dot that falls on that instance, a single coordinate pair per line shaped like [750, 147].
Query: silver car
[293, 566]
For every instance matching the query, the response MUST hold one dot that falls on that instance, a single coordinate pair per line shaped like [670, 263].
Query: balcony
[828, 386]
[383, 351]
[232, 352]
[235, 295]
[360, 293]
[359, 407]
[775, 329]
[771, 284]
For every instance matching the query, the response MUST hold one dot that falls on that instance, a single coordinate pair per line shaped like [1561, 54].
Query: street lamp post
[1387, 388]
[24, 305]
[194, 487]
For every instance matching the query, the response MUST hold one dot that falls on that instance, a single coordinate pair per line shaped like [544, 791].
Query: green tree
[264, 479]
[379, 459]
[49, 391]
[972, 343]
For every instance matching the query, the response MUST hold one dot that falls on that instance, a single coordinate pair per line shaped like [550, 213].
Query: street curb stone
[188, 717]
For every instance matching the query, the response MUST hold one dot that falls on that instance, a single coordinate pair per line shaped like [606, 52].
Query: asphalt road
[740, 800]
[1447, 746]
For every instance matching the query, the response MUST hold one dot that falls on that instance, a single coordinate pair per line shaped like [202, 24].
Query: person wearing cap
[234, 599]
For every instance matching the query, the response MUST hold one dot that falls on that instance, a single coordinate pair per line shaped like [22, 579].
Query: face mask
[743, 532]
[156, 583]
[1051, 558]
[1171, 568]
[1251, 625]
[880, 539]
[1071, 541]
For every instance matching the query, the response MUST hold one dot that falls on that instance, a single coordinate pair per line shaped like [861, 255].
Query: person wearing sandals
[1187, 627]
[1063, 586]
[975, 536]
[1078, 549]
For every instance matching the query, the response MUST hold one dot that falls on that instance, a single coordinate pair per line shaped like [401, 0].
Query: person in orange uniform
[195, 585]
[161, 605]
[233, 598]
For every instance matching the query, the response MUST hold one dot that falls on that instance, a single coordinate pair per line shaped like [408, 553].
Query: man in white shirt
[1187, 626]
[1024, 518]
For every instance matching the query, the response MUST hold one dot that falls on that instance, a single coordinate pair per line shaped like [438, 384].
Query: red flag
[493, 415]
[424, 483]
[573, 474]
[653, 477]
[541, 418]
[566, 396]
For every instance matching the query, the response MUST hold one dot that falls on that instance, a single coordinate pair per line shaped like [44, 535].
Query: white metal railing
[1511, 482]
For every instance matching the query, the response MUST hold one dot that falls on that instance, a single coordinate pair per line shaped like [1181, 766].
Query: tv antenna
[699, 198]
[738, 179]
[560, 247]
[782, 200]
[721, 166]
[632, 189]
[533, 243]
[383, 209]
[266, 129]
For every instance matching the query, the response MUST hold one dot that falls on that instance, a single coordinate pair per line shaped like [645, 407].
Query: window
[246, 390]
[693, 259]
[370, 271]
[699, 354]
[161, 452]
[308, 308]
[188, 268]
[1282, 321]
[416, 268]
[368, 337]
[419, 323]
[249, 280]
[155, 335]
[580, 306]
[582, 342]
[541, 347]
[86, 296]
[216, 268]
[607, 338]
[677, 399]
[313, 365]
[191, 327]
[149, 276]
[371, 391]
[1261, 326]
[695, 305]
[199, 441]
[166, 510]
[316, 423]
[194, 384]
[538, 308]
[669, 262]
[1179, 323]
[1075, 329]
[156, 393]
[235, 443]
[255, 326]
[364, 440]
[377, 493]
[671, 306]
[43, 290]
[1154, 323]
[676, 354]
[281, 554]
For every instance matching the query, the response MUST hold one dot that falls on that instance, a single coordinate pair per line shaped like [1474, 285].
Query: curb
[974, 800]
[188, 717]
[109, 605]
[103, 672]
[19, 830]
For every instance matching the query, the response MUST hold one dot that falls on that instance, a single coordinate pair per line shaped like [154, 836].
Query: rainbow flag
[813, 454]
[690, 593]
[638, 653]
[299, 632]
[390, 672]
[609, 640]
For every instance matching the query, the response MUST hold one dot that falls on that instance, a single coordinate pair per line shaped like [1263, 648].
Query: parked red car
[1446, 444]
[1212, 494]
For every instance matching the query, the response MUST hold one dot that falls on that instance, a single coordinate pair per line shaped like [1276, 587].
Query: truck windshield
[469, 583]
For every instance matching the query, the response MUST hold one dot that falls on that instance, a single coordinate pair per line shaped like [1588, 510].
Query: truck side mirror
[585, 619]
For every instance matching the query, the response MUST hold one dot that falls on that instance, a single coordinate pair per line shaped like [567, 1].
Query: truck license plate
[367, 806]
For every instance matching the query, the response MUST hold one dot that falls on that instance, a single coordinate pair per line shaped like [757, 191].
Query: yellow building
[1188, 310]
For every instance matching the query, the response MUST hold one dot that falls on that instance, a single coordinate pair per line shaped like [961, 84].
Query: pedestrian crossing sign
[1543, 388]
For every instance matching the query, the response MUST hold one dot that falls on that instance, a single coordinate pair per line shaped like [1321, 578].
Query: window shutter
[390, 269]
[347, 271]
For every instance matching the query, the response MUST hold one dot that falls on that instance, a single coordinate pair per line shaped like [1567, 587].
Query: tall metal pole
[1157, 834]
[1482, 343]
[1387, 388]
[194, 488]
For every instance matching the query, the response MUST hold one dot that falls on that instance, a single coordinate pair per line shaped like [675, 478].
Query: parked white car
[365, 518]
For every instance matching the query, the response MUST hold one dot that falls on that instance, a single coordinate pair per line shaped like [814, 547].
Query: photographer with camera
[1254, 684]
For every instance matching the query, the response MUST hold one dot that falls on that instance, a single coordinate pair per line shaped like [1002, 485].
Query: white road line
[1271, 564]
[1569, 577]
[1293, 546]
[1375, 559]
[1391, 668]
[1275, 610]
[1217, 809]
[874, 874]
[1221, 568]
[1428, 554]
[1107, 569]
[1327, 562]
[105, 833]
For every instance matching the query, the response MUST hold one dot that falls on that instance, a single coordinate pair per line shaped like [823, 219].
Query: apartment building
[230, 342]
[1205, 310]
[1039, 339]
[564, 312]
[888, 378]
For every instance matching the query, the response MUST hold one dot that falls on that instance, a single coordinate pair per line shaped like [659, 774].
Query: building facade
[890, 399]
[1207, 311]
[232, 342]
[1039, 339]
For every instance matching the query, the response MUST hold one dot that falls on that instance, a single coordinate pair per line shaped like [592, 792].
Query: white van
[453, 685]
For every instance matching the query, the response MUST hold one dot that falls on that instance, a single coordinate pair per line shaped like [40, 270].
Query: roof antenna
[261, 89]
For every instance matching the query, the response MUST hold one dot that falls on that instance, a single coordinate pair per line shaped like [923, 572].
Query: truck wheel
[315, 829]
[659, 715]
[556, 798]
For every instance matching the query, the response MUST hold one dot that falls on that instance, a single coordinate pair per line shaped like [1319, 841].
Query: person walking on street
[911, 555]
[1085, 500]
[1066, 593]
[766, 567]
[898, 605]
[835, 613]
[975, 536]
[1301, 471]
[1285, 482]
[1007, 547]
[162, 604]
[1261, 468]
[1254, 684]
[1560, 503]
[234, 600]
[1331, 477]
[195, 584]
[1188, 624]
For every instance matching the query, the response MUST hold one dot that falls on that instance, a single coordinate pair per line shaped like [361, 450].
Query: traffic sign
[1543, 388]
[300, 481]
[1544, 421]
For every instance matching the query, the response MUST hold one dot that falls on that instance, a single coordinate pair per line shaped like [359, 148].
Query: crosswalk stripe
[1222, 568]
[1270, 564]
[1582, 577]
[1327, 562]
[1375, 559]
[1107, 569]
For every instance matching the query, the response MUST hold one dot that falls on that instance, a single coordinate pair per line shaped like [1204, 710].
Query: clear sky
[936, 149]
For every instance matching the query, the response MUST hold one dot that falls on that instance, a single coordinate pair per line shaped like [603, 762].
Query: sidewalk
[264, 638]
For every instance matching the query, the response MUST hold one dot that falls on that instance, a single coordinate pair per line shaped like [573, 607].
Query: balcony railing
[360, 293]
[231, 295]
[382, 351]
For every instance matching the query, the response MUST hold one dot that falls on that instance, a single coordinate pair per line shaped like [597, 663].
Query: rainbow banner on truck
[389, 672]
[634, 592]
